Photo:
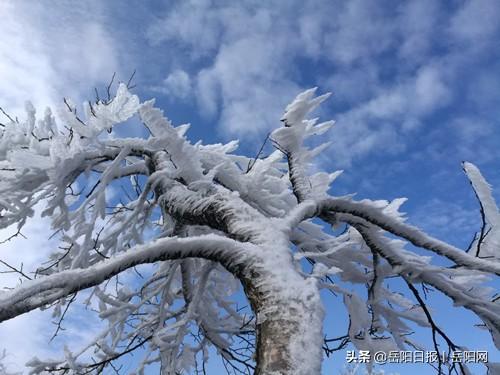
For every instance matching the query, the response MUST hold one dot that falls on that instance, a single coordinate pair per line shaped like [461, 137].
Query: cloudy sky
[416, 87]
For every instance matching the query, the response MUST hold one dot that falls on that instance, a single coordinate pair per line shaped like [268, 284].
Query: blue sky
[415, 85]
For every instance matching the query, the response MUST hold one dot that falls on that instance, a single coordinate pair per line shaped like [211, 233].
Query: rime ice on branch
[206, 221]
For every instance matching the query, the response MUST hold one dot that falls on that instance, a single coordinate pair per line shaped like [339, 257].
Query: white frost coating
[412, 234]
[359, 329]
[484, 192]
[462, 286]
[182, 155]
[304, 103]
[294, 299]
[200, 220]
[122, 107]
[487, 242]
[290, 140]
[27, 296]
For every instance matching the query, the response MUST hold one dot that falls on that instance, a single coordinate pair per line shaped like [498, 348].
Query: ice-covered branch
[198, 211]
[290, 140]
[45, 290]
[375, 216]
[413, 268]
[487, 243]
[327, 208]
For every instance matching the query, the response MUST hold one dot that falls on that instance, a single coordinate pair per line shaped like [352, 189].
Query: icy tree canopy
[203, 221]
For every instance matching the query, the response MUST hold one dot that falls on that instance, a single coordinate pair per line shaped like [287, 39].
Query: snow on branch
[461, 287]
[290, 140]
[210, 223]
[42, 291]
[487, 242]
[408, 232]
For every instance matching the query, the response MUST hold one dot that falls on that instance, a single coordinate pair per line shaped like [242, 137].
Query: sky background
[415, 91]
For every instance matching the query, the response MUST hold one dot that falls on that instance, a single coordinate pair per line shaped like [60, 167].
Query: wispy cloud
[447, 220]
[46, 51]
[391, 66]
[476, 21]
[176, 85]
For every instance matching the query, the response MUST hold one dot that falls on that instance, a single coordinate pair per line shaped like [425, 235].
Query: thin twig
[108, 88]
[16, 270]
[130, 81]
[7, 115]
[251, 163]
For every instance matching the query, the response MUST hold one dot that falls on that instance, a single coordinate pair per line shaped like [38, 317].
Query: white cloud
[47, 52]
[361, 30]
[475, 139]
[176, 85]
[419, 23]
[391, 68]
[25, 70]
[89, 56]
[245, 64]
[249, 84]
[476, 21]
[249, 49]
[23, 338]
[445, 219]
[192, 22]
[384, 121]
[431, 92]
[416, 96]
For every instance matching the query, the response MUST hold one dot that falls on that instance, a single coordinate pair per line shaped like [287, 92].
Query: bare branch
[16, 270]
[7, 115]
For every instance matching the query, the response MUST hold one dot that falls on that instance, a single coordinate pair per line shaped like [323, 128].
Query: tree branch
[412, 234]
[44, 290]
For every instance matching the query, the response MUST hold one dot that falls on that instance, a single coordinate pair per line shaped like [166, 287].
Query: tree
[207, 220]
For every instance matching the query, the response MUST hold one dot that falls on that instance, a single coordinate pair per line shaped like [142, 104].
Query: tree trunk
[289, 315]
